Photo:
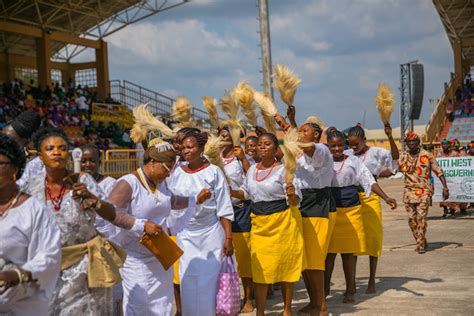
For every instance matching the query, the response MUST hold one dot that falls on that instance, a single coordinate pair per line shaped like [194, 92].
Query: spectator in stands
[450, 110]
[470, 148]
[467, 105]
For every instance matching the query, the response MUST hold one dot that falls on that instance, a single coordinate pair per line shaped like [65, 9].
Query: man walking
[417, 165]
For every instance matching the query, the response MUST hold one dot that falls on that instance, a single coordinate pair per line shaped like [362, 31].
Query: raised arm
[393, 147]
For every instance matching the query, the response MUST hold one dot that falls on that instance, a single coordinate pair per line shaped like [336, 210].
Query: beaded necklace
[56, 201]
[259, 166]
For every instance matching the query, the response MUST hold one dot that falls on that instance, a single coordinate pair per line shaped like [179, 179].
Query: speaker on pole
[417, 87]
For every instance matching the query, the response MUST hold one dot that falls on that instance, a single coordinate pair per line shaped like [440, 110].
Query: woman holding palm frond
[276, 237]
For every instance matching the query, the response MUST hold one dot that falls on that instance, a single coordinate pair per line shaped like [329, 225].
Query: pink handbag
[228, 292]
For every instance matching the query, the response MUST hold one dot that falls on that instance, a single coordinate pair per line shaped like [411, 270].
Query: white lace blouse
[315, 172]
[269, 186]
[351, 171]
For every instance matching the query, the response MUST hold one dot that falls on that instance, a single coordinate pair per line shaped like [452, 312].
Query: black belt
[346, 196]
[317, 202]
[241, 223]
[267, 208]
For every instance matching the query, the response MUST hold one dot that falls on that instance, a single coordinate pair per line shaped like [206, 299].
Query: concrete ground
[439, 282]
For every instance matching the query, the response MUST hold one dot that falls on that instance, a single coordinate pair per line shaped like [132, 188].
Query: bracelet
[98, 205]
[20, 276]
[228, 237]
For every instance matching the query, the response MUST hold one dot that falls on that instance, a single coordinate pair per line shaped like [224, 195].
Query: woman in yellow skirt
[348, 236]
[276, 236]
[380, 163]
[314, 176]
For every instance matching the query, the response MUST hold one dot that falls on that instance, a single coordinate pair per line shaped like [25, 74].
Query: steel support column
[458, 67]
[265, 45]
[43, 60]
[405, 105]
[102, 70]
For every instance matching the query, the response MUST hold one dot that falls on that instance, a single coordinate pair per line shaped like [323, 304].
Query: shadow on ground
[335, 305]
[384, 284]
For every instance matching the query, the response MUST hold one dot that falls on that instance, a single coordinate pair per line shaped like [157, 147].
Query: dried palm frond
[269, 123]
[268, 110]
[265, 103]
[291, 150]
[231, 108]
[286, 81]
[316, 120]
[210, 105]
[212, 150]
[384, 102]
[145, 122]
[244, 94]
[182, 112]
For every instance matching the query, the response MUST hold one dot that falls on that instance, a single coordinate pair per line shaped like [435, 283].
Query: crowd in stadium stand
[463, 105]
[65, 106]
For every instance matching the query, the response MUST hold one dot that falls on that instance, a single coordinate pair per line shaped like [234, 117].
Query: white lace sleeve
[320, 156]
[364, 177]
[385, 160]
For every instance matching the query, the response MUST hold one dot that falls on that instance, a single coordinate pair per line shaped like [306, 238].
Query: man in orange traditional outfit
[417, 165]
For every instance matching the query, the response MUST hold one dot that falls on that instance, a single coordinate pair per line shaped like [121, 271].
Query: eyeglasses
[166, 167]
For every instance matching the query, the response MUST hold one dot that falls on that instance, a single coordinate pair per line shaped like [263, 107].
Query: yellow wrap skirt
[371, 210]
[316, 241]
[242, 253]
[277, 247]
[348, 235]
[175, 267]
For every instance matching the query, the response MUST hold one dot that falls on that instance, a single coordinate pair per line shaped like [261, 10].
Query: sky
[341, 49]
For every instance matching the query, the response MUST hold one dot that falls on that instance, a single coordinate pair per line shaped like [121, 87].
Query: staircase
[131, 95]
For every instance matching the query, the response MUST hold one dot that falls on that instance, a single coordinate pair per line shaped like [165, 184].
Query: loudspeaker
[417, 88]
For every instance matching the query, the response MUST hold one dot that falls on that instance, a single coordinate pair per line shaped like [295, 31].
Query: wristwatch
[25, 277]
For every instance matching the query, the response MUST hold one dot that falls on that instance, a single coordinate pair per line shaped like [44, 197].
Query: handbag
[162, 247]
[228, 292]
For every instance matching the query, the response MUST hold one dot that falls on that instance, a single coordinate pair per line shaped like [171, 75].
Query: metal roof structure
[457, 17]
[90, 19]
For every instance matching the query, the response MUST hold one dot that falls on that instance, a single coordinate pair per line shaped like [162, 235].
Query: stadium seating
[462, 128]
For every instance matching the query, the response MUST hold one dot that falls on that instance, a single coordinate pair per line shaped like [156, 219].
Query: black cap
[26, 124]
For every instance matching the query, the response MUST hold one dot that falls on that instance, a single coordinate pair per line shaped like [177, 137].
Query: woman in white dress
[381, 163]
[143, 194]
[75, 201]
[207, 236]
[348, 236]
[30, 249]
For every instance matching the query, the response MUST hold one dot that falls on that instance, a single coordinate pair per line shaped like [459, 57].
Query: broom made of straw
[212, 150]
[291, 150]
[210, 105]
[182, 112]
[145, 122]
[286, 81]
[384, 103]
[231, 108]
[267, 109]
[244, 95]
